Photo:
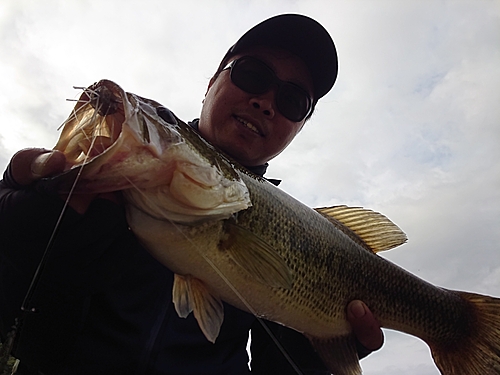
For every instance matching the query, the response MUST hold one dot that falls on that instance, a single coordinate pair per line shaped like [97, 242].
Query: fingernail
[358, 309]
[38, 165]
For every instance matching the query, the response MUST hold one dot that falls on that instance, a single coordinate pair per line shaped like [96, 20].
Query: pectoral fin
[256, 256]
[191, 294]
[338, 354]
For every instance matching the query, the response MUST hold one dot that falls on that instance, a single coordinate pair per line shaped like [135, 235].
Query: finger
[365, 326]
[32, 164]
[48, 164]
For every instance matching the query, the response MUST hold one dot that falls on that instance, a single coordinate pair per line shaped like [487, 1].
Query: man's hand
[31, 164]
[365, 326]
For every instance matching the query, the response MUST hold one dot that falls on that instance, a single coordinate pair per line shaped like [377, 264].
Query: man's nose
[264, 103]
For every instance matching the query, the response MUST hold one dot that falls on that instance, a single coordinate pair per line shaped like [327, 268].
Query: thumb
[365, 326]
[32, 164]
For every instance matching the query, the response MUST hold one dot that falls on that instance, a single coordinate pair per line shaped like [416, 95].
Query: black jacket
[104, 305]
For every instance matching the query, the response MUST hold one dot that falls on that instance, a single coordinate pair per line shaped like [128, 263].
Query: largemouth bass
[231, 236]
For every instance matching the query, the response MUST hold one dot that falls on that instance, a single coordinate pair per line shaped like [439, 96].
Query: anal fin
[338, 353]
[191, 295]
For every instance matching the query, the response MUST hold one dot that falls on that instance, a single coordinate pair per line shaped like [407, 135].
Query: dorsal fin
[374, 229]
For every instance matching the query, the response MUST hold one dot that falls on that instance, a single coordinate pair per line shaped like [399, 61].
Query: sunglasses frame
[275, 81]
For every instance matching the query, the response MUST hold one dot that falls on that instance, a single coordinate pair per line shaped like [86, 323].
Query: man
[103, 304]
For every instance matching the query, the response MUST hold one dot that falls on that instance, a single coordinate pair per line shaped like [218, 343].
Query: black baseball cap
[302, 36]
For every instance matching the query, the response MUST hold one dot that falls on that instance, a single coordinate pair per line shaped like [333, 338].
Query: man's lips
[248, 125]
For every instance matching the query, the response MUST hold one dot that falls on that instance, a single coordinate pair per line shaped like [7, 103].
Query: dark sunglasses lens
[251, 76]
[292, 102]
[255, 77]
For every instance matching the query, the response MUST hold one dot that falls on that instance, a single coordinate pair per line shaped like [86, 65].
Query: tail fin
[479, 352]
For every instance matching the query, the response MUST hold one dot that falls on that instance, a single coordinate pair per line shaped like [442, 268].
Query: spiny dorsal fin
[191, 294]
[373, 228]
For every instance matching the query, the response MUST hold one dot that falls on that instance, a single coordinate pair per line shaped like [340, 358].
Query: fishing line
[43, 260]
[25, 306]
[37, 275]
[229, 284]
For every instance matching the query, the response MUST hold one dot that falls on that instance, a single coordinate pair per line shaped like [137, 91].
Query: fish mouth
[106, 128]
[94, 125]
[114, 140]
[249, 125]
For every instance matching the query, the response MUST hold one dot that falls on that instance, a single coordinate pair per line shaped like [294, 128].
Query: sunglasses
[255, 77]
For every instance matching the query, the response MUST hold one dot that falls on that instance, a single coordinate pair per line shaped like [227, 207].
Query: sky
[410, 129]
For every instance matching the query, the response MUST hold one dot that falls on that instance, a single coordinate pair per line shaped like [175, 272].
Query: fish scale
[261, 250]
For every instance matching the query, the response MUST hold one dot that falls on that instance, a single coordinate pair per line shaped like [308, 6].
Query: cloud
[410, 128]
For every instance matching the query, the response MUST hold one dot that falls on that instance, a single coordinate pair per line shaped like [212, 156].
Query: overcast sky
[411, 128]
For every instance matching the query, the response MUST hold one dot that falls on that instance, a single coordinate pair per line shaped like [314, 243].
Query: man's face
[249, 127]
